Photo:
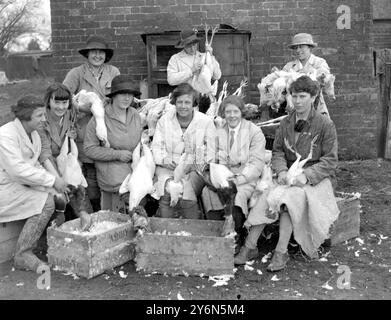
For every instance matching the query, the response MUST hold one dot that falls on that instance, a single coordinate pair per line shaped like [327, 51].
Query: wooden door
[383, 71]
[232, 52]
[160, 48]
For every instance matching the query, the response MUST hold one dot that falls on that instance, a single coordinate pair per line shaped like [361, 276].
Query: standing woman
[305, 62]
[179, 131]
[25, 185]
[188, 62]
[241, 148]
[59, 124]
[123, 133]
[94, 75]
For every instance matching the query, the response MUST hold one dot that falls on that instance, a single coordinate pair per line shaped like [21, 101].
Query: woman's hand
[281, 179]
[60, 185]
[71, 133]
[125, 156]
[196, 66]
[300, 180]
[85, 221]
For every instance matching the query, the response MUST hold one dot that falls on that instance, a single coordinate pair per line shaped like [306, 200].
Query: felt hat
[97, 42]
[187, 37]
[123, 84]
[302, 38]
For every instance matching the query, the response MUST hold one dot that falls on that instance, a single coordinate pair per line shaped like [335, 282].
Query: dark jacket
[325, 153]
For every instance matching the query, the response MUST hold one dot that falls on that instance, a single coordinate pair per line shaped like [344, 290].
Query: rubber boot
[33, 228]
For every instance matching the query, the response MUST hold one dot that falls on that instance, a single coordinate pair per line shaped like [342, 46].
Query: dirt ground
[368, 257]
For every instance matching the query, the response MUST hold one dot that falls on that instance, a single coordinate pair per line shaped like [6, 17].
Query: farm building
[347, 31]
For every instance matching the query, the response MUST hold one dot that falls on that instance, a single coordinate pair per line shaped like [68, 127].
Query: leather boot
[165, 210]
[245, 254]
[278, 262]
[239, 242]
[238, 218]
[33, 228]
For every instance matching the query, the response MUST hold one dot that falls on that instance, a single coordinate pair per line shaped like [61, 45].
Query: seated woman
[183, 130]
[303, 199]
[60, 123]
[25, 186]
[124, 129]
[241, 147]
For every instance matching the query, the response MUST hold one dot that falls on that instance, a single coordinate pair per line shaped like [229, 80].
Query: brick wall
[348, 51]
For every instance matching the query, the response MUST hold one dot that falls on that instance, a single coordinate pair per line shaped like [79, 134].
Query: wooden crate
[9, 234]
[89, 255]
[204, 252]
[347, 225]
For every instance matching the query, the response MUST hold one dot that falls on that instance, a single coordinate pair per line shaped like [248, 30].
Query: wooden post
[383, 71]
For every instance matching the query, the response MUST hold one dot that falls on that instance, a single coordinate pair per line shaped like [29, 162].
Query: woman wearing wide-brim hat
[124, 129]
[184, 64]
[94, 75]
[305, 61]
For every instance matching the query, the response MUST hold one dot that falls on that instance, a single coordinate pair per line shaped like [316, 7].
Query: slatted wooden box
[347, 225]
[9, 234]
[89, 255]
[202, 252]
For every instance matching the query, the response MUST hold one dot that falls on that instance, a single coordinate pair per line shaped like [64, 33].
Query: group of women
[29, 177]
